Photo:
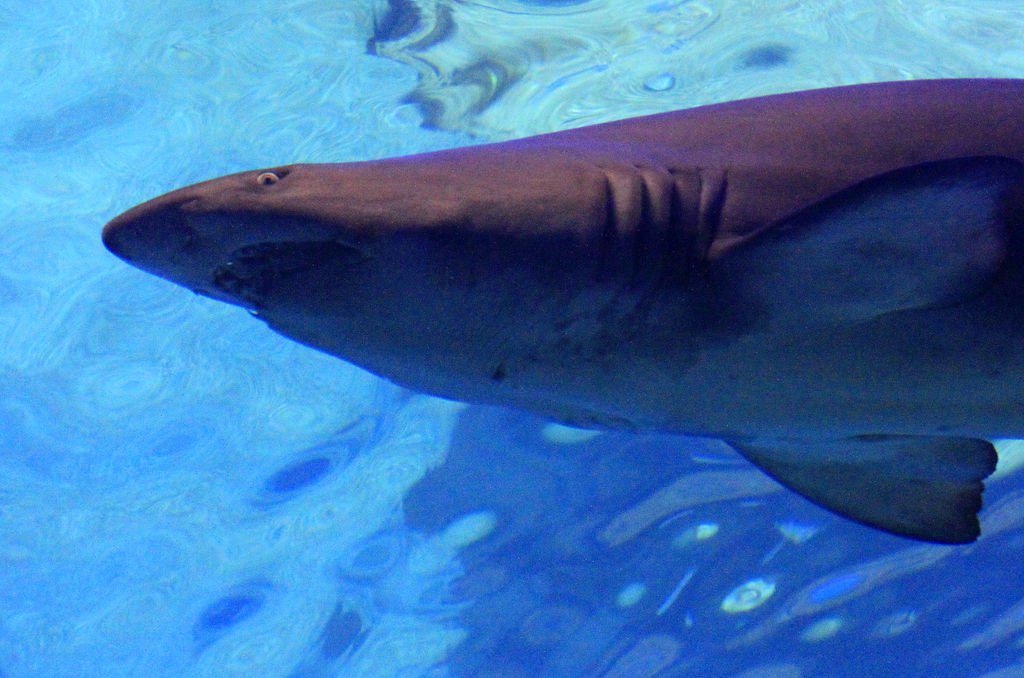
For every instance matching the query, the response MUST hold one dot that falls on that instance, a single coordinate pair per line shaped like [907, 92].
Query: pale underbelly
[940, 375]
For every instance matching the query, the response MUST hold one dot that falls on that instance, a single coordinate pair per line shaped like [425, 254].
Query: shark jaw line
[250, 273]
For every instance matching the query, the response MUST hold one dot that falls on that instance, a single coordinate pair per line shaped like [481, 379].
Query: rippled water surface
[185, 493]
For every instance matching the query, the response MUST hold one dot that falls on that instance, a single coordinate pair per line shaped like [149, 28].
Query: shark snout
[221, 240]
[170, 237]
[156, 226]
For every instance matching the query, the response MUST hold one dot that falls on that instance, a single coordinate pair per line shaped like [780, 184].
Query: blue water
[185, 493]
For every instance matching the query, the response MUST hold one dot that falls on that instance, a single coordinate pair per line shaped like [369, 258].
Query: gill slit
[610, 232]
[713, 186]
[643, 233]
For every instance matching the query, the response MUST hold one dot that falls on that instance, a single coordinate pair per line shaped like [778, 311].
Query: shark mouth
[252, 272]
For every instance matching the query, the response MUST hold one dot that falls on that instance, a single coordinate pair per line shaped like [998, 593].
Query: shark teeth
[250, 272]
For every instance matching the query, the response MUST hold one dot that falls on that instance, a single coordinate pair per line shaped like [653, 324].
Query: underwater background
[184, 493]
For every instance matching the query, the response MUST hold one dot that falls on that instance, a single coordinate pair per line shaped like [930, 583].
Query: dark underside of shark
[832, 281]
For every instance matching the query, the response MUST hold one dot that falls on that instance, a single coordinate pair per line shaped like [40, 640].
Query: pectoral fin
[926, 488]
[924, 236]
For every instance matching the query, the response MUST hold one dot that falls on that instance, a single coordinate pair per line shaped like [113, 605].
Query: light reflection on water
[555, 65]
[182, 493]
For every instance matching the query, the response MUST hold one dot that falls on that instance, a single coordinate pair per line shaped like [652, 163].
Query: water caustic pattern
[234, 607]
[343, 599]
[709, 587]
[184, 494]
[176, 487]
[316, 463]
[556, 64]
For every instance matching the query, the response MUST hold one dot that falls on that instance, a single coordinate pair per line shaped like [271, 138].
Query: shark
[831, 281]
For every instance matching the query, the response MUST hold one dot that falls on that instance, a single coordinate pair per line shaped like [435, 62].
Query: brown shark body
[832, 280]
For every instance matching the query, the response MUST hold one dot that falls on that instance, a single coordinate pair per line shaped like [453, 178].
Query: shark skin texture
[832, 281]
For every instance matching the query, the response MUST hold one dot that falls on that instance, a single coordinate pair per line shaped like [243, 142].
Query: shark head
[239, 237]
[403, 267]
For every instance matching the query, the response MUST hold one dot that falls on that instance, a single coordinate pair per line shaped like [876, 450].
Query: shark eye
[267, 178]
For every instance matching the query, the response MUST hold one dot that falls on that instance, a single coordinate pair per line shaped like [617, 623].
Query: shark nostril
[189, 205]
